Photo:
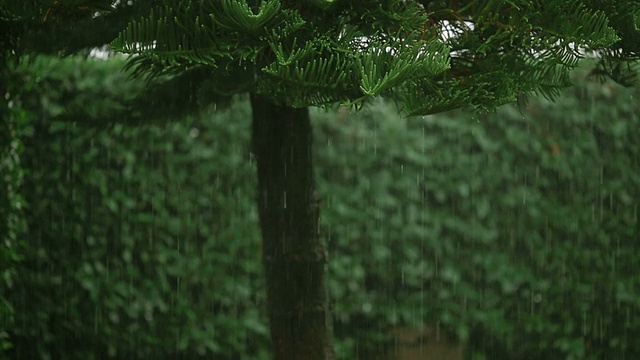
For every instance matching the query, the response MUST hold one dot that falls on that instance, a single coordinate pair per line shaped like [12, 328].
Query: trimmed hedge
[514, 231]
[11, 204]
[142, 238]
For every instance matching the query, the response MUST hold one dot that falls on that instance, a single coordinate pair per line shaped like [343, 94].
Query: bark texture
[294, 257]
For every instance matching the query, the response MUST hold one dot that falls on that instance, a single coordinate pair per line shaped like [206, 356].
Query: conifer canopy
[429, 56]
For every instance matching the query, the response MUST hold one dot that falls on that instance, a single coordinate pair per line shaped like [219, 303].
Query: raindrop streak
[601, 197]
[524, 192]
[375, 137]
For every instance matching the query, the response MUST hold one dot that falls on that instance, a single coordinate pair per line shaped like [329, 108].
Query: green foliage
[11, 230]
[141, 238]
[11, 203]
[517, 231]
[429, 56]
[317, 53]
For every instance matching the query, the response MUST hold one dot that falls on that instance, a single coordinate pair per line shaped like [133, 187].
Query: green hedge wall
[11, 202]
[142, 238]
[514, 231]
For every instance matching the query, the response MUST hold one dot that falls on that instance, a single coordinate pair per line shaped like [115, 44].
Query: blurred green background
[513, 234]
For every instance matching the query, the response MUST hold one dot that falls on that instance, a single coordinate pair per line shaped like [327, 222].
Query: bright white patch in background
[450, 30]
[105, 53]
[101, 53]
[143, 47]
[115, 3]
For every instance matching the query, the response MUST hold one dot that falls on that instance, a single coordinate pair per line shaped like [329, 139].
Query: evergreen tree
[427, 56]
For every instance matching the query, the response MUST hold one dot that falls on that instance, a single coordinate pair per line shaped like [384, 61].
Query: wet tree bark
[294, 258]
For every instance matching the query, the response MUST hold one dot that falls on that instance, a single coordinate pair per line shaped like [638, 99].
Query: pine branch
[347, 51]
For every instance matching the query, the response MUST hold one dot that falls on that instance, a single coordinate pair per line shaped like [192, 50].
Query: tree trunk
[294, 258]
